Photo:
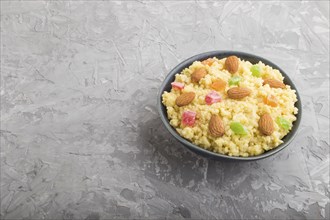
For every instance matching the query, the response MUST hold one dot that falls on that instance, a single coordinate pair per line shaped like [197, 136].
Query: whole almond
[274, 83]
[238, 92]
[198, 74]
[185, 99]
[266, 124]
[231, 64]
[216, 127]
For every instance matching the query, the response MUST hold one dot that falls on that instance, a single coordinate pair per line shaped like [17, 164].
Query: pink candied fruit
[188, 118]
[212, 97]
[177, 85]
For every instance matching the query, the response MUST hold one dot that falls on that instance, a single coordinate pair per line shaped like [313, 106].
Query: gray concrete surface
[80, 133]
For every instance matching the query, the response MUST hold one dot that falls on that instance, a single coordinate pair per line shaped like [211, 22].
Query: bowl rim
[221, 54]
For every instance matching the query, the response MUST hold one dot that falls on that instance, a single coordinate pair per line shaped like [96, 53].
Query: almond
[238, 92]
[198, 75]
[216, 127]
[231, 64]
[185, 99]
[274, 83]
[266, 124]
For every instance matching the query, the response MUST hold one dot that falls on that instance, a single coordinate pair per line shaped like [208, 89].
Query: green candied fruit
[256, 71]
[234, 80]
[238, 128]
[283, 123]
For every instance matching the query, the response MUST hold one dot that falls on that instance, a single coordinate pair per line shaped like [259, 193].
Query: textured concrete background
[80, 133]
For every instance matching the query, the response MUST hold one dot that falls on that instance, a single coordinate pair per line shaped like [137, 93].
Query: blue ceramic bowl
[166, 86]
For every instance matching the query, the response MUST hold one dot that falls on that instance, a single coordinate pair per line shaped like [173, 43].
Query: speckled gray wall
[80, 133]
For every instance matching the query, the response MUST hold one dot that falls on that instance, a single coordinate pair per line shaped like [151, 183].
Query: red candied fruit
[212, 97]
[188, 118]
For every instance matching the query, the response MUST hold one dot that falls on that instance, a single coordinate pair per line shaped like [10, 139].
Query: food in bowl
[231, 106]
